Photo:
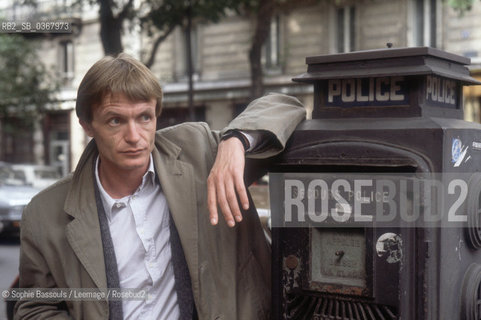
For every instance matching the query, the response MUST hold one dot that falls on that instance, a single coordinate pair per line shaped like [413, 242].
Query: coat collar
[177, 181]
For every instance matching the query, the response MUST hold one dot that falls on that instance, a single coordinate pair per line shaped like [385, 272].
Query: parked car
[15, 194]
[38, 176]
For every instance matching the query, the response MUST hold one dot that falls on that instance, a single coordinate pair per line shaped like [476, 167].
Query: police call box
[376, 201]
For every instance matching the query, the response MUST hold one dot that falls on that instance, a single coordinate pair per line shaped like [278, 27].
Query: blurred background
[211, 58]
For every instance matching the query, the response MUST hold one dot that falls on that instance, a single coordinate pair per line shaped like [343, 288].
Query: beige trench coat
[230, 268]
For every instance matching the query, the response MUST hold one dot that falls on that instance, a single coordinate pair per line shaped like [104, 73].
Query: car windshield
[11, 177]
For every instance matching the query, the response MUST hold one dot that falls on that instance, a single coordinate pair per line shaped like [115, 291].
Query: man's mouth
[133, 152]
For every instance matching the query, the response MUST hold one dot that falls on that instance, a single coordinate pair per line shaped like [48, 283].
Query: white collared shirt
[139, 227]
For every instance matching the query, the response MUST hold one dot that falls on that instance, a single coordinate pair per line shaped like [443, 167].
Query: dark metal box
[396, 112]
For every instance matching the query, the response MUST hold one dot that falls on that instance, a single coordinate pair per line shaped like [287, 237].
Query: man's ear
[87, 128]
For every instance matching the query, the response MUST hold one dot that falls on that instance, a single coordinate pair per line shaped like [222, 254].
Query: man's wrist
[237, 134]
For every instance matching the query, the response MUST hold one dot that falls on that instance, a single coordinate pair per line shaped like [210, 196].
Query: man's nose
[132, 135]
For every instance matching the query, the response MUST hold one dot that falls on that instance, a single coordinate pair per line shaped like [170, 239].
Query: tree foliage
[263, 12]
[163, 16]
[461, 6]
[26, 86]
[157, 17]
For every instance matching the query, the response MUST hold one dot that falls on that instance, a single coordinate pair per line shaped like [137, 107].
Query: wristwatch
[235, 133]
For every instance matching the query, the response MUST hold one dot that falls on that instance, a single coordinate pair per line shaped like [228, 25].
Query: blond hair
[111, 76]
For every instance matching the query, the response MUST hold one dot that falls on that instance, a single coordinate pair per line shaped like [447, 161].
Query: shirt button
[118, 205]
[134, 197]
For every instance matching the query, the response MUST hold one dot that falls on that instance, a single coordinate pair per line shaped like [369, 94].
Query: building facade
[220, 57]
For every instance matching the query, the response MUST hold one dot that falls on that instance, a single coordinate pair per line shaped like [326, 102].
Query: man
[138, 213]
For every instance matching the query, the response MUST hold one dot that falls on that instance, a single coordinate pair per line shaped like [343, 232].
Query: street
[9, 254]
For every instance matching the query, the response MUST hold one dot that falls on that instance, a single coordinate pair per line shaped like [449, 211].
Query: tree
[25, 84]
[164, 16]
[264, 11]
[111, 25]
[112, 16]
[158, 17]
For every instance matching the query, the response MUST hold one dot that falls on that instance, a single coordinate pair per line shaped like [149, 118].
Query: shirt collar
[107, 201]
[150, 174]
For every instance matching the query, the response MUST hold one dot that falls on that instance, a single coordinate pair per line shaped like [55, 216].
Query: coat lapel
[83, 232]
[177, 182]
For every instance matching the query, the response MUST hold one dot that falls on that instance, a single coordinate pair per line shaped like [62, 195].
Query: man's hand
[226, 182]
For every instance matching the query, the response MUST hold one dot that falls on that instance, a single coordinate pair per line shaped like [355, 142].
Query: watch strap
[235, 133]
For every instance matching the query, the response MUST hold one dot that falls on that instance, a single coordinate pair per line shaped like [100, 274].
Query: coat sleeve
[275, 116]
[34, 273]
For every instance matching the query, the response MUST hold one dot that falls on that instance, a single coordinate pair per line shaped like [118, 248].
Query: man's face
[124, 132]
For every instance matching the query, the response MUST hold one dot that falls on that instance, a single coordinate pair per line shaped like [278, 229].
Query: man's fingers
[242, 192]
[224, 204]
[233, 202]
[212, 202]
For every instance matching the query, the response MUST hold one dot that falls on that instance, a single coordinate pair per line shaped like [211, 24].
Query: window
[346, 29]
[66, 64]
[272, 47]
[423, 22]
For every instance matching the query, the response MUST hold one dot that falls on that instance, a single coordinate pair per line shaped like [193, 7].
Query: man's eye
[114, 121]
[146, 117]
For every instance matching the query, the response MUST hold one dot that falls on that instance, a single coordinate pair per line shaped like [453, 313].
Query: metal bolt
[292, 262]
